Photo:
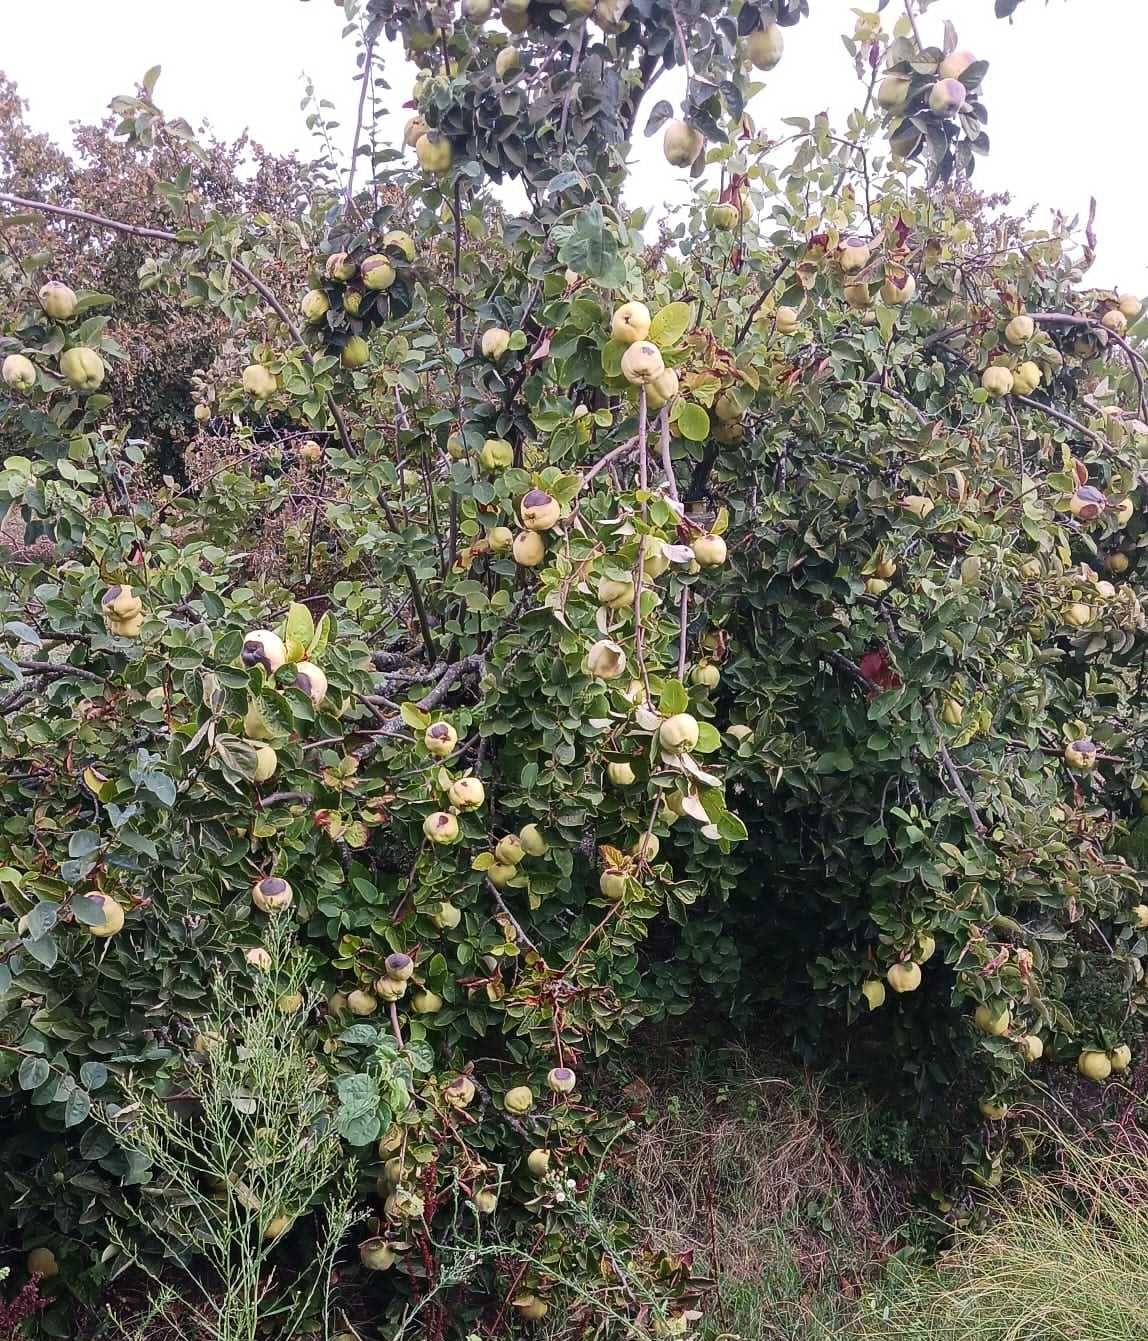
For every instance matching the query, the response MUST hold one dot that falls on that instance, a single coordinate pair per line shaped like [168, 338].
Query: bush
[798, 686]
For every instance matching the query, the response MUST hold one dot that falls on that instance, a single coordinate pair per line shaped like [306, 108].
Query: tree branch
[954, 775]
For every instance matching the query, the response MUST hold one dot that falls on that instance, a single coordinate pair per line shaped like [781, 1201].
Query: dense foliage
[576, 633]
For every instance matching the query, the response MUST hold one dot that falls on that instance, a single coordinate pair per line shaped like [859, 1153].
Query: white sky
[1064, 90]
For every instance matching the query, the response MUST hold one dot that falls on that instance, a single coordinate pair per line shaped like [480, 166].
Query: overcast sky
[1064, 92]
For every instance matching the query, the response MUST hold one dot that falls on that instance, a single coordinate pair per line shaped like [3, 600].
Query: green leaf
[670, 324]
[77, 1107]
[33, 1072]
[299, 626]
[673, 698]
[709, 739]
[690, 420]
[237, 756]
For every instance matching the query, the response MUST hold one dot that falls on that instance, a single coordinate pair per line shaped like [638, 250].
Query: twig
[368, 57]
[766, 290]
[514, 922]
[843, 664]
[911, 16]
[954, 776]
[608, 459]
[1067, 419]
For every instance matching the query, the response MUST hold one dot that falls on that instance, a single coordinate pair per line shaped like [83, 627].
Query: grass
[766, 1181]
[1060, 1256]
[809, 1209]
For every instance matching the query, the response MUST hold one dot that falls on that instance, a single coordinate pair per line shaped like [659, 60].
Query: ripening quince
[58, 301]
[1094, 1065]
[340, 267]
[446, 916]
[356, 352]
[765, 46]
[500, 874]
[612, 883]
[662, 390]
[679, 733]
[509, 850]
[646, 848]
[1080, 755]
[434, 152]
[361, 1003]
[561, 1080]
[500, 540]
[507, 62]
[496, 454]
[495, 342]
[518, 1100]
[1130, 305]
[1115, 321]
[312, 681]
[947, 97]
[467, 793]
[706, 675]
[873, 990]
[18, 372]
[530, 1306]
[918, 505]
[997, 381]
[994, 1112]
[1026, 378]
[1032, 1045]
[538, 1162]
[994, 1020]
[905, 977]
[477, 11]
[606, 660]
[682, 143]
[630, 323]
[1020, 329]
[893, 92]
[441, 827]
[724, 216]
[786, 320]
[426, 1003]
[1120, 1058]
[955, 64]
[377, 273]
[853, 255]
[414, 130]
[41, 1262]
[266, 761]
[272, 894]
[528, 549]
[898, 287]
[112, 919]
[82, 368]
[262, 647]
[620, 774]
[857, 296]
[642, 363]
[539, 512]
[709, 551]
[440, 739]
[315, 305]
[121, 602]
[655, 560]
[460, 1092]
[615, 593]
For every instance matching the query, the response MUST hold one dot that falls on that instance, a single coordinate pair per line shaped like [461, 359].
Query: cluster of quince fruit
[79, 365]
